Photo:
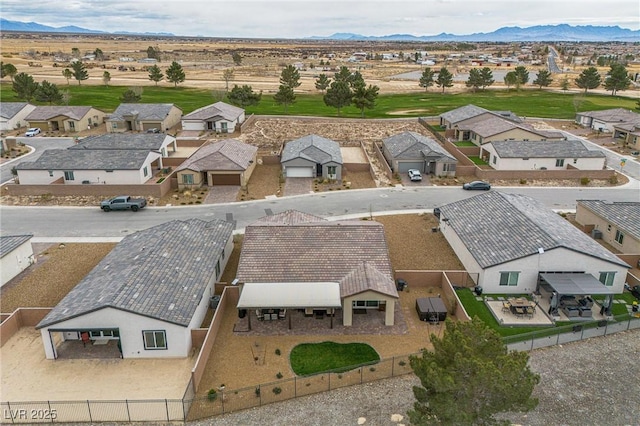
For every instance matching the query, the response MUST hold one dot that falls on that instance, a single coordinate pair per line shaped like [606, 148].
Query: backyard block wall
[21, 317]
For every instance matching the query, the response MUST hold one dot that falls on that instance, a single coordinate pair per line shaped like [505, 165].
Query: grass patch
[465, 143]
[477, 160]
[312, 358]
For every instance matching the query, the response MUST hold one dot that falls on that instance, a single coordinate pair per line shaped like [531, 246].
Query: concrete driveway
[297, 186]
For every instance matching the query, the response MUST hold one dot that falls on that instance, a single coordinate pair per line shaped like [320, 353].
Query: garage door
[232, 179]
[300, 172]
[403, 167]
[149, 126]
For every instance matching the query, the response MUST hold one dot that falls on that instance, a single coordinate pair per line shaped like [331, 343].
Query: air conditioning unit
[596, 234]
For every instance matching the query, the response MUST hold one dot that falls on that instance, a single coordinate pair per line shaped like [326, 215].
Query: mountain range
[562, 32]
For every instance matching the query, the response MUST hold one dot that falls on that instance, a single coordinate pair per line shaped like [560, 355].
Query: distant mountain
[33, 27]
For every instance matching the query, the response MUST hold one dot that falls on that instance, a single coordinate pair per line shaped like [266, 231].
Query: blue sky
[304, 18]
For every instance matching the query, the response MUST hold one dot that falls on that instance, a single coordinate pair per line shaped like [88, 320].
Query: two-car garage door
[299, 172]
[225, 179]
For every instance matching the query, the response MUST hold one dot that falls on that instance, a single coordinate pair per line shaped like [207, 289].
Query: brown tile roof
[288, 217]
[229, 154]
[366, 277]
[48, 112]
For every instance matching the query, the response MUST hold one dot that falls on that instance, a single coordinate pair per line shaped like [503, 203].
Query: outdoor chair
[85, 338]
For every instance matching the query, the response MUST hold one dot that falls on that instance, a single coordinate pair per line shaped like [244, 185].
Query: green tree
[106, 78]
[475, 79]
[511, 79]
[617, 79]
[487, 77]
[285, 96]
[469, 377]
[99, 54]
[344, 75]
[543, 79]
[364, 97]
[153, 53]
[564, 84]
[445, 79]
[588, 79]
[75, 52]
[155, 74]
[290, 76]
[8, 70]
[322, 82]
[175, 73]
[132, 95]
[244, 96]
[523, 75]
[79, 71]
[48, 92]
[66, 73]
[25, 86]
[227, 76]
[338, 95]
[237, 59]
[426, 79]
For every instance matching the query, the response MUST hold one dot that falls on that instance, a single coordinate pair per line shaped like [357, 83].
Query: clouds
[304, 18]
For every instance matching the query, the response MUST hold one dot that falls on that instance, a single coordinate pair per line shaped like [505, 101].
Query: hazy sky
[304, 18]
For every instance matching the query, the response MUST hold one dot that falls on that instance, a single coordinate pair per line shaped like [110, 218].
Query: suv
[414, 175]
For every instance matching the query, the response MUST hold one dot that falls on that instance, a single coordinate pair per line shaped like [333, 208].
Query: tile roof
[69, 159]
[229, 154]
[10, 109]
[313, 148]
[545, 149]
[48, 112]
[613, 115]
[497, 227]
[463, 113]
[142, 141]
[9, 243]
[219, 109]
[288, 217]
[624, 215]
[365, 277]
[160, 272]
[412, 145]
[144, 112]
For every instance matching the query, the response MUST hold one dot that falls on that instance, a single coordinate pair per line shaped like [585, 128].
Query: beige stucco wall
[347, 306]
[630, 244]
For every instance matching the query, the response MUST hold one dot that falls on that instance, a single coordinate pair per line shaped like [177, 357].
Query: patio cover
[290, 295]
[576, 284]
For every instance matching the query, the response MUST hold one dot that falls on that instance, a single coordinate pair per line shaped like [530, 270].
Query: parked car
[414, 175]
[477, 185]
[154, 130]
[32, 131]
[123, 202]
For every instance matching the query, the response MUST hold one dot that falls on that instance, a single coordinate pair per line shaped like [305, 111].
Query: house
[312, 156]
[605, 120]
[629, 133]
[148, 293]
[155, 142]
[410, 150]
[13, 115]
[507, 242]
[16, 254]
[617, 224]
[218, 117]
[543, 155]
[488, 128]
[297, 260]
[143, 117]
[228, 162]
[65, 118]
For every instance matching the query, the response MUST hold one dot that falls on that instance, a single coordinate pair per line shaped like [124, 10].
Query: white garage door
[300, 172]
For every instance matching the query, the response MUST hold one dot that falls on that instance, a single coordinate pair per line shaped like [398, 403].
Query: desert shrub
[613, 180]
[523, 181]
[277, 390]
[584, 181]
[279, 375]
[278, 352]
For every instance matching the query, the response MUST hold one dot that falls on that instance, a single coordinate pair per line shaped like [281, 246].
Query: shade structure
[576, 284]
[291, 295]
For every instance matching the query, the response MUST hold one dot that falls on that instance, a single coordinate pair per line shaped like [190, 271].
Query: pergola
[578, 284]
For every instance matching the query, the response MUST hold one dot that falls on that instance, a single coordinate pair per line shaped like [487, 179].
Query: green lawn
[465, 143]
[313, 358]
[477, 160]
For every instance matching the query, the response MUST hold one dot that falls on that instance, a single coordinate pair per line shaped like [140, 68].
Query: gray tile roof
[10, 109]
[545, 149]
[144, 112]
[497, 227]
[48, 112]
[160, 272]
[614, 115]
[229, 154]
[69, 159]
[624, 215]
[463, 113]
[412, 145]
[219, 110]
[9, 243]
[136, 141]
[313, 148]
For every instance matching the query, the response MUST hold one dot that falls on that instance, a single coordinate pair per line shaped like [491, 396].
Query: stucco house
[606, 120]
[219, 117]
[629, 133]
[13, 115]
[147, 294]
[312, 156]
[542, 155]
[16, 254]
[451, 118]
[411, 150]
[155, 142]
[297, 260]
[507, 242]
[143, 117]
[65, 118]
[617, 224]
[228, 162]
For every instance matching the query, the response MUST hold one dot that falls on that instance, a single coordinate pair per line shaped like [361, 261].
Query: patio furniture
[506, 306]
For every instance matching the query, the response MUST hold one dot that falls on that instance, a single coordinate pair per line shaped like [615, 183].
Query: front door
[318, 170]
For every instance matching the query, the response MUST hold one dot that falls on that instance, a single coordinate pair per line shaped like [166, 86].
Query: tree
[155, 74]
[79, 71]
[285, 96]
[523, 75]
[132, 95]
[364, 97]
[322, 82]
[511, 79]
[588, 79]
[469, 377]
[244, 96]
[543, 79]
[237, 59]
[153, 53]
[175, 73]
[66, 73]
[99, 54]
[24, 86]
[475, 79]
[8, 70]
[487, 77]
[227, 76]
[48, 92]
[338, 95]
[290, 76]
[75, 52]
[445, 79]
[426, 79]
[564, 84]
[343, 75]
[617, 79]
[106, 78]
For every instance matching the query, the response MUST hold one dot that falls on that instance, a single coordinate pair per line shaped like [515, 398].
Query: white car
[32, 131]
[415, 175]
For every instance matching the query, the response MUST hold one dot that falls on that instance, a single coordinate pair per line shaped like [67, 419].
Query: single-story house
[507, 241]
[16, 254]
[484, 129]
[13, 115]
[605, 120]
[451, 118]
[148, 293]
[312, 156]
[76, 167]
[156, 142]
[411, 150]
[65, 118]
[542, 155]
[617, 224]
[143, 117]
[218, 117]
[228, 162]
[297, 260]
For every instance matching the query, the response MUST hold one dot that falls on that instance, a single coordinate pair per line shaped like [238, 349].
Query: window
[365, 304]
[68, 176]
[450, 167]
[217, 269]
[72, 125]
[331, 170]
[607, 278]
[493, 159]
[509, 278]
[155, 339]
[619, 237]
[560, 162]
[187, 179]
[145, 171]
[223, 254]
[114, 125]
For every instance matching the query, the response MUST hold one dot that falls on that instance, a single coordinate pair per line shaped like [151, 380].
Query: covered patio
[570, 294]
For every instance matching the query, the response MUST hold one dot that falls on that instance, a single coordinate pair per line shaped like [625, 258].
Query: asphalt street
[40, 144]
